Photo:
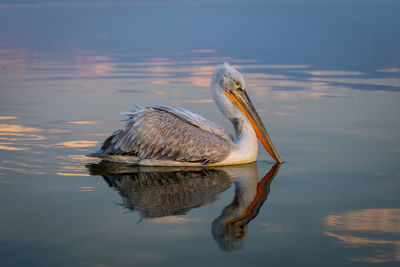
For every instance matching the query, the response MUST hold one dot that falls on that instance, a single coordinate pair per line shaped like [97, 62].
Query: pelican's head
[227, 77]
[228, 90]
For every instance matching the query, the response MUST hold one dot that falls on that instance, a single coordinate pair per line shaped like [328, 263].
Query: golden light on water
[15, 128]
[7, 147]
[77, 144]
[21, 137]
[87, 189]
[172, 220]
[72, 174]
[8, 117]
[83, 122]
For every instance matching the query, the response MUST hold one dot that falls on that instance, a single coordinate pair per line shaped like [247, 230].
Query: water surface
[325, 78]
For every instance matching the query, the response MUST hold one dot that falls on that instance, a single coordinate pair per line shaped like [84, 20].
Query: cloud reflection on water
[192, 71]
[27, 140]
[14, 136]
[83, 122]
[8, 117]
[390, 70]
[383, 225]
[5, 146]
[91, 74]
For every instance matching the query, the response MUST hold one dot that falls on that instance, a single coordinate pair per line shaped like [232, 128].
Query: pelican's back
[169, 133]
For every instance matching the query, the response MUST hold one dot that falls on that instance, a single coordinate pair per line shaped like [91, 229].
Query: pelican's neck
[244, 132]
[245, 138]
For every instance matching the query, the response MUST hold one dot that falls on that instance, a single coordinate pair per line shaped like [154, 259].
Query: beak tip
[278, 160]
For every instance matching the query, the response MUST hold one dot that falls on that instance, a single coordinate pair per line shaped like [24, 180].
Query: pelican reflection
[163, 191]
[230, 228]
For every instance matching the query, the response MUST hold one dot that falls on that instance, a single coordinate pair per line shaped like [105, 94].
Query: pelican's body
[172, 136]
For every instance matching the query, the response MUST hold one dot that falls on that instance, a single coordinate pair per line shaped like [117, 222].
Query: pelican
[161, 135]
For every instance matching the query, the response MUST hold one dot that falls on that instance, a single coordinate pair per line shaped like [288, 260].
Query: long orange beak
[242, 100]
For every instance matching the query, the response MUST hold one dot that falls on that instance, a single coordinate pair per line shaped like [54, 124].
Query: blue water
[324, 76]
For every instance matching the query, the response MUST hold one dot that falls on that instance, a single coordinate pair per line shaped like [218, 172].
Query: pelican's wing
[169, 133]
[195, 119]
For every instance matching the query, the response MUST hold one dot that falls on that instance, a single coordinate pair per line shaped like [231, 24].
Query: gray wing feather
[169, 133]
[195, 119]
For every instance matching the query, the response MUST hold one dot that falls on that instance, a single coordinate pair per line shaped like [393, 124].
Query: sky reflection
[97, 74]
[350, 226]
[168, 71]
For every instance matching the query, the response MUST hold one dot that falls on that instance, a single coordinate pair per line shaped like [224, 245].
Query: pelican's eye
[237, 84]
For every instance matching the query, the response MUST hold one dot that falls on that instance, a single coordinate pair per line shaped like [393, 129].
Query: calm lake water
[325, 78]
